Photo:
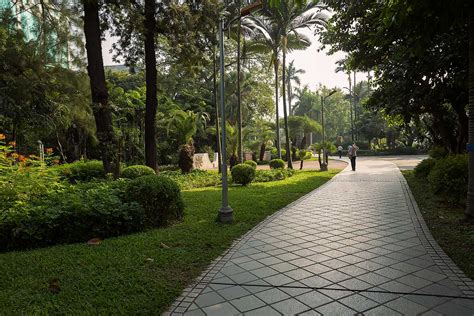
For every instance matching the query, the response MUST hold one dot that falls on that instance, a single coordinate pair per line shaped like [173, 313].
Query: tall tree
[292, 76]
[100, 95]
[291, 17]
[470, 188]
[151, 82]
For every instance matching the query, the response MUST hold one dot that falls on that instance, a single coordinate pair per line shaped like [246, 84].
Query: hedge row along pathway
[356, 245]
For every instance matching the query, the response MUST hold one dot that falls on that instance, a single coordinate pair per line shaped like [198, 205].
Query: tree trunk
[100, 96]
[285, 114]
[240, 150]
[290, 96]
[262, 151]
[151, 89]
[275, 67]
[470, 188]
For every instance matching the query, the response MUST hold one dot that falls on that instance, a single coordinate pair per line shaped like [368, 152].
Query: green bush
[73, 214]
[274, 153]
[423, 169]
[437, 152]
[251, 163]
[277, 164]
[449, 177]
[133, 172]
[273, 175]
[243, 173]
[159, 196]
[194, 179]
[83, 171]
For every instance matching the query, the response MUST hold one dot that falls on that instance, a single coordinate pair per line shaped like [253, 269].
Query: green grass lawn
[134, 273]
[445, 221]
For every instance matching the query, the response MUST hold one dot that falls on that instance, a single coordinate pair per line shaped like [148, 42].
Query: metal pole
[225, 212]
[322, 116]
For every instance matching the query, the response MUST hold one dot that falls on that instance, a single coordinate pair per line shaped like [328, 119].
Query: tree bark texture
[275, 68]
[285, 113]
[151, 82]
[100, 96]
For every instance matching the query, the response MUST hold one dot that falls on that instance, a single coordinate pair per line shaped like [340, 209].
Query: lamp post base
[226, 214]
[324, 166]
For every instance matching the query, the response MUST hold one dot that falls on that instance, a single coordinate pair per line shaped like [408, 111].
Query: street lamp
[226, 212]
[324, 164]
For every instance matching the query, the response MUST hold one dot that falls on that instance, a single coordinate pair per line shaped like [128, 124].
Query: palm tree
[263, 132]
[268, 40]
[183, 125]
[292, 75]
[291, 16]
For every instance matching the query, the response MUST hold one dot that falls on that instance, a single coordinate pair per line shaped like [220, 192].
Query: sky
[319, 67]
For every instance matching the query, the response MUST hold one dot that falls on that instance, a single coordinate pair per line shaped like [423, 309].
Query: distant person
[339, 151]
[352, 154]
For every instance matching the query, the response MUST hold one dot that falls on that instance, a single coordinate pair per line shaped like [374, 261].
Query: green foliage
[159, 196]
[449, 177]
[243, 173]
[83, 170]
[275, 156]
[423, 169]
[437, 152]
[193, 179]
[273, 175]
[132, 172]
[277, 164]
[73, 214]
[251, 163]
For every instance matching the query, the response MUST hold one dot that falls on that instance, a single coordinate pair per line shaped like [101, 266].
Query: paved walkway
[357, 245]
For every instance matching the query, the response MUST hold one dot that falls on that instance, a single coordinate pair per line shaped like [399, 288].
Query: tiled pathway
[357, 245]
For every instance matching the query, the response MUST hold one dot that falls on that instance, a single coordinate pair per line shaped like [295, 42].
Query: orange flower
[13, 143]
[22, 158]
[2, 136]
[49, 150]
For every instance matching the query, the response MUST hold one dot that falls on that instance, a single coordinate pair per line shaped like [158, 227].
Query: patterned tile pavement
[357, 245]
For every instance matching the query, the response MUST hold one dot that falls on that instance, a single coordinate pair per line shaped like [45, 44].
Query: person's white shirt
[339, 148]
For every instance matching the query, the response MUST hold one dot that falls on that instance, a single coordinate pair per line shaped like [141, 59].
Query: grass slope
[134, 273]
[444, 219]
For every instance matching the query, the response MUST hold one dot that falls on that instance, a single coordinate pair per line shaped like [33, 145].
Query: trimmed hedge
[83, 170]
[251, 163]
[277, 164]
[136, 171]
[243, 173]
[449, 177]
[77, 213]
[273, 175]
[437, 152]
[159, 196]
[423, 169]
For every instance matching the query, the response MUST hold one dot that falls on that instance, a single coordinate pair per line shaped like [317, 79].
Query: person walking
[339, 151]
[352, 153]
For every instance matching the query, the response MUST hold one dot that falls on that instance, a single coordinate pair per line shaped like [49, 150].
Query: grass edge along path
[444, 219]
[141, 273]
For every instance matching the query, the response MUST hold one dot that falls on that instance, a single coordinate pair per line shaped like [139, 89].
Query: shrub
[159, 196]
[251, 163]
[83, 171]
[194, 179]
[277, 164]
[74, 213]
[437, 152]
[133, 172]
[243, 173]
[449, 177]
[274, 153]
[273, 175]
[423, 169]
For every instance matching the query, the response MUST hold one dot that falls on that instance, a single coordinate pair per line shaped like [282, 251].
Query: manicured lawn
[445, 221]
[135, 273]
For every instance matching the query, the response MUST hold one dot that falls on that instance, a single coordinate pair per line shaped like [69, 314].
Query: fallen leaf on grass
[149, 259]
[94, 241]
[163, 245]
[53, 286]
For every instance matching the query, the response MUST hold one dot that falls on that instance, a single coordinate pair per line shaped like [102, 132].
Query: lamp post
[324, 164]
[225, 212]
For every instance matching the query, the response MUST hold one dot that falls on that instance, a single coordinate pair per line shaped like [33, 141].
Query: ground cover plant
[446, 222]
[141, 272]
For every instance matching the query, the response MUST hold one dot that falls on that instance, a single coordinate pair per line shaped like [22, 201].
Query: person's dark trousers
[340, 154]
[353, 163]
